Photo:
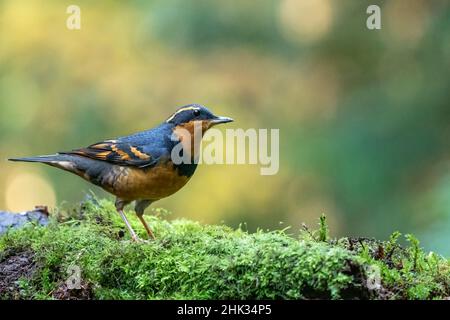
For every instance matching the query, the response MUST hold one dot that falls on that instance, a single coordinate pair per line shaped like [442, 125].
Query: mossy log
[84, 253]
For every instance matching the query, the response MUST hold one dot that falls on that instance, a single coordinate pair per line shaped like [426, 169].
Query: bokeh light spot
[406, 21]
[306, 20]
[27, 190]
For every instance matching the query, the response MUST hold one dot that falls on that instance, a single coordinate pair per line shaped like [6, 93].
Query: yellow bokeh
[27, 189]
[305, 21]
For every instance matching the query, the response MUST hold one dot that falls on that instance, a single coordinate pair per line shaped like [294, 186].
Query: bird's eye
[196, 112]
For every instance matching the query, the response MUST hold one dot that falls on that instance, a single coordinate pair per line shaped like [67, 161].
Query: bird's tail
[54, 158]
[89, 169]
[66, 162]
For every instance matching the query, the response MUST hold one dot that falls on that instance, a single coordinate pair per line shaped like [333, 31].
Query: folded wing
[117, 152]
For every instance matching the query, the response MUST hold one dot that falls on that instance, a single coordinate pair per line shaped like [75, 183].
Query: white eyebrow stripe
[181, 110]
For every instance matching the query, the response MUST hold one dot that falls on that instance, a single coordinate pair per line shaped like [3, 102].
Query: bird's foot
[136, 239]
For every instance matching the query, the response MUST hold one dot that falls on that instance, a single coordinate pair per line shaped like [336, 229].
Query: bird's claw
[139, 240]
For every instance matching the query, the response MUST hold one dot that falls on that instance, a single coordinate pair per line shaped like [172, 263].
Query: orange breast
[154, 183]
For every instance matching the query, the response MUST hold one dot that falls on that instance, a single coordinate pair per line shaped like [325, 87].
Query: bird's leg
[140, 208]
[120, 204]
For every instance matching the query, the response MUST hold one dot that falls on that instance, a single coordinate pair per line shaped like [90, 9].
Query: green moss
[194, 261]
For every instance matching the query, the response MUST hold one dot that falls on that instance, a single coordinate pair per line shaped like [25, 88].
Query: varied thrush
[138, 167]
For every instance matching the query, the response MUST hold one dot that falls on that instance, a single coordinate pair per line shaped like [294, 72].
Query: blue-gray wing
[121, 153]
[142, 149]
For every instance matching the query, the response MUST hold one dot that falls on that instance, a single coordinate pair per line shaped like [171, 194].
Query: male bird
[139, 167]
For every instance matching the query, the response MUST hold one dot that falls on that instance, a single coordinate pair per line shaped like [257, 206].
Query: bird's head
[187, 115]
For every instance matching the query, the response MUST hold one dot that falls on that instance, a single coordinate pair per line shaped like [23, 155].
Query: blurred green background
[364, 116]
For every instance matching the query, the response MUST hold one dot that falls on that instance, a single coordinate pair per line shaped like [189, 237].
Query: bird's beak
[219, 120]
